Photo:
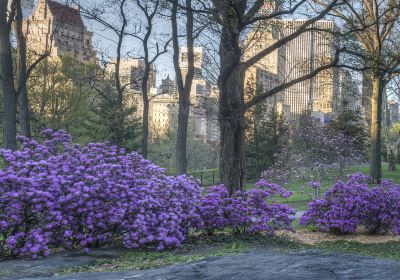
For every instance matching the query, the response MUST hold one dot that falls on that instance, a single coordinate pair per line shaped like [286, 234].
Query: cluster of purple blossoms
[56, 194]
[250, 212]
[357, 203]
[314, 184]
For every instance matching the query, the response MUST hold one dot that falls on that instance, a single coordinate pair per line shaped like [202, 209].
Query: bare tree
[24, 70]
[184, 84]
[112, 16]
[151, 50]
[375, 27]
[14, 86]
[235, 19]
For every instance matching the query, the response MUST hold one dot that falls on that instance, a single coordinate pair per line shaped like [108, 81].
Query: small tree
[349, 123]
[374, 26]
[311, 151]
[184, 84]
[264, 141]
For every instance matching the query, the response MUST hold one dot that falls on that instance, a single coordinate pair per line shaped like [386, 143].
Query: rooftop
[65, 14]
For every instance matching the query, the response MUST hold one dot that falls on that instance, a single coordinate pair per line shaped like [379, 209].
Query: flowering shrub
[54, 193]
[250, 211]
[312, 150]
[357, 202]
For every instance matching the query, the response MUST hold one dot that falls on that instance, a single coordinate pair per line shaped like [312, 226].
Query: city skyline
[288, 62]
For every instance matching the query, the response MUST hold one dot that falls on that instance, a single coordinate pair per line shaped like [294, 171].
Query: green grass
[302, 194]
[387, 250]
[395, 176]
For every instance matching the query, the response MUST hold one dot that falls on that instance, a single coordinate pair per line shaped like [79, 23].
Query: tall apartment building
[163, 111]
[295, 59]
[131, 73]
[167, 86]
[60, 30]
[131, 76]
[203, 118]
[198, 62]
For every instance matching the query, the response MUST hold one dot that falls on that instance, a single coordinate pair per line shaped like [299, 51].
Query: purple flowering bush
[251, 211]
[359, 202]
[56, 194]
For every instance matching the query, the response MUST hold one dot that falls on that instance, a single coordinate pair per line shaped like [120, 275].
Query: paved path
[24, 268]
[262, 264]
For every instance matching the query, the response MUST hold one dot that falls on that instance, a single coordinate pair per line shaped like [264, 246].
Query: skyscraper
[295, 59]
[198, 63]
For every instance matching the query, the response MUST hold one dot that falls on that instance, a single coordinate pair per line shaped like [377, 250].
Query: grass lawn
[387, 250]
[302, 194]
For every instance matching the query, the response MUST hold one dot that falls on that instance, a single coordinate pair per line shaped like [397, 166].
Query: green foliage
[102, 123]
[63, 95]
[265, 138]
[391, 140]
[60, 96]
[200, 155]
[350, 124]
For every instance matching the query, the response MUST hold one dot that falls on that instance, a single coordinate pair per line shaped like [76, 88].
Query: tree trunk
[184, 88]
[231, 115]
[232, 156]
[7, 82]
[22, 93]
[119, 130]
[181, 137]
[146, 105]
[145, 125]
[376, 123]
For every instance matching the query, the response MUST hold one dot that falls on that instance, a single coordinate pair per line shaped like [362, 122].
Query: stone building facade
[59, 30]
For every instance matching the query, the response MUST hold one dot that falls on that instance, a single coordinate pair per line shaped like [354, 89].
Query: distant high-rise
[348, 97]
[131, 73]
[198, 63]
[295, 59]
[60, 30]
[303, 55]
[167, 86]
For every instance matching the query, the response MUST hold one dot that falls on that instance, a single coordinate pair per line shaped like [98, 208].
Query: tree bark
[120, 99]
[184, 88]
[7, 81]
[232, 155]
[376, 124]
[145, 117]
[25, 119]
[231, 114]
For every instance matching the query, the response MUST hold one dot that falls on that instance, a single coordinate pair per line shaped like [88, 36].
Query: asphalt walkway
[255, 265]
